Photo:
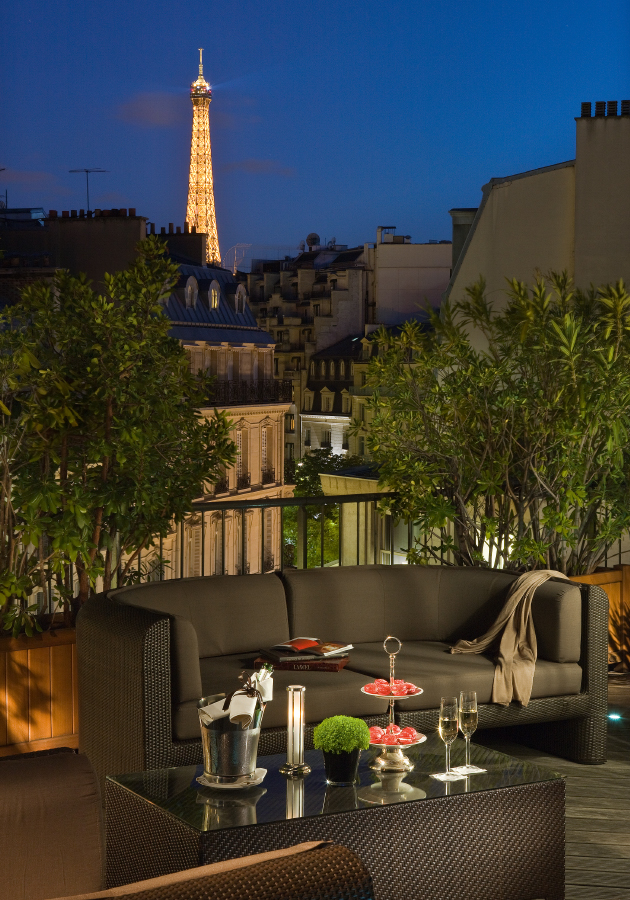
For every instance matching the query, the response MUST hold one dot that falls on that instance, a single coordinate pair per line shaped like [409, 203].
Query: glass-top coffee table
[499, 834]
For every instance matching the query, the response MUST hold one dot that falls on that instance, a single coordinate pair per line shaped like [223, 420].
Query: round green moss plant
[341, 734]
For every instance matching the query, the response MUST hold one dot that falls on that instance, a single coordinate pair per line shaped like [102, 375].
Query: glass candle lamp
[295, 765]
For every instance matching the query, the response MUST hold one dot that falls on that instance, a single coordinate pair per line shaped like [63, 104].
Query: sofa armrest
[594, 655]
[124, 676]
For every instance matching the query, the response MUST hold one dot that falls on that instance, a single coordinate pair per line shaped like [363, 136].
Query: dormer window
[312, 368]
[191, 292]
[342, 369]
[322, 369]
[214, 294]
[332, 369]
[239, 299]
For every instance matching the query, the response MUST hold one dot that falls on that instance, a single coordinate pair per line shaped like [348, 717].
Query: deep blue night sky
[333, 117]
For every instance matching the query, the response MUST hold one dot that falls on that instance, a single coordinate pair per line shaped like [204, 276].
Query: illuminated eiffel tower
[200, 210]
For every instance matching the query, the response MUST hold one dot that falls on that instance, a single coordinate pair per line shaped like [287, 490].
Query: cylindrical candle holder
[295, 765]
[295, 798]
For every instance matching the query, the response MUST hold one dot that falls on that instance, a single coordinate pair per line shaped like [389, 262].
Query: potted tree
[341, 739]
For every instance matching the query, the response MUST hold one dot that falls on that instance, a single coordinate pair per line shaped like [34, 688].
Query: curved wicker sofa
[147, 653]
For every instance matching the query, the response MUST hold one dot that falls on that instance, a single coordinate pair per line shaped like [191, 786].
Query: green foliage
[308, 484]
[103, 440]
[505, 433]
[341, 734]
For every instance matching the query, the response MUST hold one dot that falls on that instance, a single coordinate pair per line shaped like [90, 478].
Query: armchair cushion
[52, 842]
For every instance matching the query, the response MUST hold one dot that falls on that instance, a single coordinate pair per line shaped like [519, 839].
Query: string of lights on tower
[200, 211]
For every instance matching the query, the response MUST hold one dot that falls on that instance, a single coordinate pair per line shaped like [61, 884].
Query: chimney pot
[178, 230]
[73, 213]
[98, 212]
[600, 107]
[186, 227]
[152, 228]
[81, 213]
[162, 230]
[132, 211]
[611, 108]
[170, 228]
[625, 107]
[586, 110]
[52, 214]
[65, 214]
[89, 213]
[122, 212]
[193, 229]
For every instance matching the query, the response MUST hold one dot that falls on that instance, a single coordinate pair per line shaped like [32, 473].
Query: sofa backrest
[229, 613]
[363, 604]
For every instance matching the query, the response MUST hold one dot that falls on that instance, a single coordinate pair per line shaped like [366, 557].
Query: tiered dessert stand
[392, 759]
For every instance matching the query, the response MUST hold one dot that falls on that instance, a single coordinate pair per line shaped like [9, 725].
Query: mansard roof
[200, 322]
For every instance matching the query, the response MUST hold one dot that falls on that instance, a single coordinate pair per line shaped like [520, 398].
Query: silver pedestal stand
[392, 758]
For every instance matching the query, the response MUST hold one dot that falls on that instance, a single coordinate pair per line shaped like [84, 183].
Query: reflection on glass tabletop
[177, 792]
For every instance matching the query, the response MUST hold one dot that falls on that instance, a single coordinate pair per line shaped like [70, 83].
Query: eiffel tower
[200, 210]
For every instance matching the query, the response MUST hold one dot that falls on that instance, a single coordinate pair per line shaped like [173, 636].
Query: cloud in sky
[39, 181]
[153, 110]
[260, 167]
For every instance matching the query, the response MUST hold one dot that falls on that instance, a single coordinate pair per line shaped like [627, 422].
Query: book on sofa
[301, 649]
[331, 664]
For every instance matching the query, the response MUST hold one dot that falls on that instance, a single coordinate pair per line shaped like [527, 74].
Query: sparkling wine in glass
[468, 726]
[448, 727]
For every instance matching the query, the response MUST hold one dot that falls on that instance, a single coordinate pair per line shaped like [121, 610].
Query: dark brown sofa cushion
[427, 603]
[230, 613]
[52, 842]
[431, 666]
[327, 694]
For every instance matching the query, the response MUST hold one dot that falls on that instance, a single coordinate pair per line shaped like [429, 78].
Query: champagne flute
[448, 728]
[468, 726]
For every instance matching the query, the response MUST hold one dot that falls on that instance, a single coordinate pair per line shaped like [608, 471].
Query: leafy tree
[308, 484]
[505, 433]
[115, 444]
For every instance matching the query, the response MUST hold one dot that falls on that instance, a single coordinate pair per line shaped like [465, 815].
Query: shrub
[341, 734]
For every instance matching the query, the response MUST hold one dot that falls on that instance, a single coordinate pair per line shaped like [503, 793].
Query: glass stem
[448, 757]
[467, 749]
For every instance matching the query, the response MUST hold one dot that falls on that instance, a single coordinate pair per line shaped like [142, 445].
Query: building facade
[572, 216]
[328, 294]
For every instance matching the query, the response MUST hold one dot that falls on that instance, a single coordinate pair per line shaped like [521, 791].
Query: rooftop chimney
[600, 107]
[611, 108]
[586, 111]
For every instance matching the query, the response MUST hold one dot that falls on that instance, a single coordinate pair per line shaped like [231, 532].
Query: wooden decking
[598, 809]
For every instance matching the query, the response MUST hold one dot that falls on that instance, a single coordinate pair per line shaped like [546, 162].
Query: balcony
[243, 481]
[221, 486]
[268, 475]
[233, 393]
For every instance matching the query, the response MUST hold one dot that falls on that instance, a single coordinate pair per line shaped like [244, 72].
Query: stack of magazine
[303, 654]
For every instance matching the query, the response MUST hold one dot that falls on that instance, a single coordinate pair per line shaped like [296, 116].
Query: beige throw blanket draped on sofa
[514, 637]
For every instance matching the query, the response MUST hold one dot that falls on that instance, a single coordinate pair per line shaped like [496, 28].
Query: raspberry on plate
[382, 689]
[393, 728]
[390, 739]
[380, 681]
[370, 688]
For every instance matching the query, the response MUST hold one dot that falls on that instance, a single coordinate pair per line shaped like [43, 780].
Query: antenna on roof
[88, 172]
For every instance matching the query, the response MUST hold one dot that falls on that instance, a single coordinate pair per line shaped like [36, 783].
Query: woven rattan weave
[478, 843]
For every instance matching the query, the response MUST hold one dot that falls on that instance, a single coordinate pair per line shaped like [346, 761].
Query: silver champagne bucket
[229, 750]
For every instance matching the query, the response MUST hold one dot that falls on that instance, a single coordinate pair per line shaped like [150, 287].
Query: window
[307, 437]
[289, 424]
[361, 446]
[263, 312]
[316, 309]
[332, 369]
[346, 403]
[325, 403]
[312, 368]
[289, 451]
[214, 298]
[322, 369]
[326, 439]
[191, 291]
[239, 299]
[363, 378]
[342, 369]
[308, 401]
[276, 370]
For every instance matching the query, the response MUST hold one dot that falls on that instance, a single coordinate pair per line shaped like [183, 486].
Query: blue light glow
[614, 716]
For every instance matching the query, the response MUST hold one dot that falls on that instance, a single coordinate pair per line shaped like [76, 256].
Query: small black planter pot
[342, 768]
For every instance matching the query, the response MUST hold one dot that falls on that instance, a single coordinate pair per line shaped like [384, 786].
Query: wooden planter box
[616, 583]
[38, 692]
